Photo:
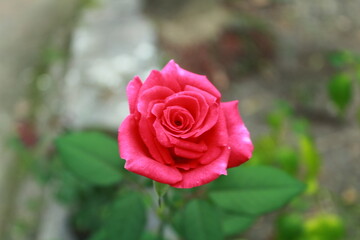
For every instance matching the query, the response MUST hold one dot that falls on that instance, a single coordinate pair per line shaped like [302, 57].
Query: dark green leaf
[255, 190]
[200, 221]
[90, 155]
[126, 219]
[236, 224]
[290, 227]
[340, 90]
[150, 236]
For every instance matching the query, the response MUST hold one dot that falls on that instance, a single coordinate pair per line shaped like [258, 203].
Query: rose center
[177, 119]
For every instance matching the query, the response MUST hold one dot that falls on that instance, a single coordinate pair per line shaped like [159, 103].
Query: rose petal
[132, 92]
[170, 76]
[133, 151]
[157, 151]
[210, 155]
[156, 78]
[161, 134]
[204, 174]
[151, 94]
[196, 80]
[158, 109]
[215, 139]
[186, 165]
[202, 109]
[210, 99]
[188, 145]
[181, 100]
[180, 152]
[239, 137]
[210, 120]
[177, 119]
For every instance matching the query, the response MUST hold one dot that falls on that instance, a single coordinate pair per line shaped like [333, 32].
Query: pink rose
[178, 132]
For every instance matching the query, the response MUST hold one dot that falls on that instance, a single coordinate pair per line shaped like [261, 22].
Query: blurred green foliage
[109, 202]
[290, 146]
[346, 74]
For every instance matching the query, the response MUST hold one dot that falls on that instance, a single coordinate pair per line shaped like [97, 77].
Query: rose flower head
[178, 132]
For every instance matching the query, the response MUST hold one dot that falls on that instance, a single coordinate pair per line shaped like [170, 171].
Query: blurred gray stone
[112, 44]
[27, 28]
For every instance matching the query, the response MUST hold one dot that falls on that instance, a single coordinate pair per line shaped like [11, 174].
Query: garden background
[293, 65]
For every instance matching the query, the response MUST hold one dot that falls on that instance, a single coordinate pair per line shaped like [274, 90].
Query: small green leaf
[199, 221]
[92, 156]
[300, 126]
[161, 188]
[236, 224]
[340, 91]
[341, 58]
[255, 190]
[126, 219]
[290, 226]
[325, 226]
[309, 156]
[281, 113]
[288, 159]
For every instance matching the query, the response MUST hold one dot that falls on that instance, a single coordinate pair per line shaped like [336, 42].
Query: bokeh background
[64, 66]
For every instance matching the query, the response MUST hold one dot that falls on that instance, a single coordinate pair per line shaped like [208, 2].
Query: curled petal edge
[239, 136]
[133, 151]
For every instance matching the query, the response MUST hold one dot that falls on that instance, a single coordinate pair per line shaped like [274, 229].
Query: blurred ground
[300, 34]
[27, 30]
[114, 41]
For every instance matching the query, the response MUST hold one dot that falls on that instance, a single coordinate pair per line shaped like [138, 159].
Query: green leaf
[199, 221]
[92, 156]
[236, 224]
[325, 226]
[340, 90]
[265, 149]
[126, 219]
[255, 190]
[341, 58]
[288, 159]
[150, 236]
[290, 226]
[309, 156]
[281, 113]
[161, 188]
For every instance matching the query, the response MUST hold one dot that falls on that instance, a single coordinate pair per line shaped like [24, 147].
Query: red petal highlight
[170, 76]
[132, 92]
[239, 137]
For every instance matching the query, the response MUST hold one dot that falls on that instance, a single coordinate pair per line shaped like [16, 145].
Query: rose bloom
[178, 132]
